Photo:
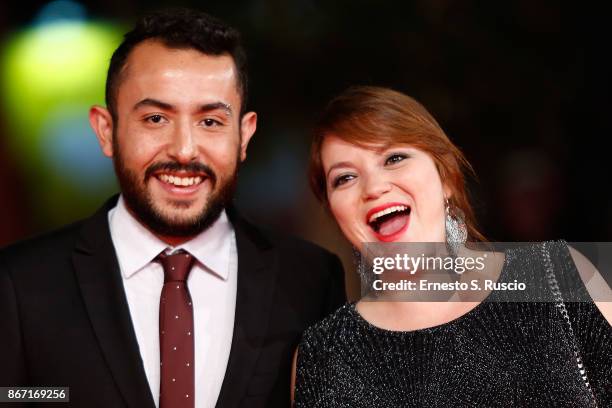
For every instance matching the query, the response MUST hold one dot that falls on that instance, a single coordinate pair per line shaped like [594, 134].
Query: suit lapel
[256, 276]
[98, 275]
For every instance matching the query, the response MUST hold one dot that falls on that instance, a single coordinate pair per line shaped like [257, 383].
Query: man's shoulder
[293, 243]
[305, 265]
[264, 236]
[43, 246]
[291, 246]
[61, 242]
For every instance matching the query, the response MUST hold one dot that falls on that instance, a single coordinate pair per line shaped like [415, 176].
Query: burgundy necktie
[177, 383]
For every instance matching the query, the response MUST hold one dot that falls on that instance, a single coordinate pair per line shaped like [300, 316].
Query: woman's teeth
[386, 211]
[180, 181]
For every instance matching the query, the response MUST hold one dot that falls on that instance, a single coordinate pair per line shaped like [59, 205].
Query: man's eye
[395, 158]
[340, 180]
[155, 119]
[211, 122]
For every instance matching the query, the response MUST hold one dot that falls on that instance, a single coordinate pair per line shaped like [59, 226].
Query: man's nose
[183, 146]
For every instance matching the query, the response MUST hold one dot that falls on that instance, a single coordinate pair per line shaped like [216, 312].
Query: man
[101, 307]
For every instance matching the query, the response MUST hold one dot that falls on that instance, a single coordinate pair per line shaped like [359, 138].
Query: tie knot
[176, 266]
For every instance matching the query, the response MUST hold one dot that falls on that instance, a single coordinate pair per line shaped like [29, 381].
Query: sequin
[499, 354]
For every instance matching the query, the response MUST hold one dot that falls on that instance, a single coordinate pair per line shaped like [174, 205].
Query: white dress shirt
[212, 285]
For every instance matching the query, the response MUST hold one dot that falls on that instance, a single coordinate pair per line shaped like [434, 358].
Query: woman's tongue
[393, 224]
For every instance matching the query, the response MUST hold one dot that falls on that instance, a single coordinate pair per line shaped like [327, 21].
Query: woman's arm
[596, 285]
[293, 369]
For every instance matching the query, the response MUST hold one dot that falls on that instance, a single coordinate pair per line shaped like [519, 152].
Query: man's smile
[181, 183]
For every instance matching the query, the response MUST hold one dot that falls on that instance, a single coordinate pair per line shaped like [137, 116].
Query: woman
[388, 173]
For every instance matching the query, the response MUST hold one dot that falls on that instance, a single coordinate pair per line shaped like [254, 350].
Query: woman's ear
[448, 192]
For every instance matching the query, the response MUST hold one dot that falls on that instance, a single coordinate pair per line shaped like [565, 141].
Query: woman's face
[392, 195]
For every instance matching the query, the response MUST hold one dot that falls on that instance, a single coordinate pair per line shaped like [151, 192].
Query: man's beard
[141, 204]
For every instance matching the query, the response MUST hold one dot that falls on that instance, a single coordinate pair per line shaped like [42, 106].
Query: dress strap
[560, 305]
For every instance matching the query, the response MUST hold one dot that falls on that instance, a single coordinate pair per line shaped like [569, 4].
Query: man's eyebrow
[208, 107]
[337, 165]
[154, 103]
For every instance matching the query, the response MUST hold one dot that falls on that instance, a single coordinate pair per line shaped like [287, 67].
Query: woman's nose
[375, 187]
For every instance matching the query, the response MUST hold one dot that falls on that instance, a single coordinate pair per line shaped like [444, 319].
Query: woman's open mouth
[389, 221]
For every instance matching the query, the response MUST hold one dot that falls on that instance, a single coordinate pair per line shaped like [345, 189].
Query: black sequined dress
[499, 354]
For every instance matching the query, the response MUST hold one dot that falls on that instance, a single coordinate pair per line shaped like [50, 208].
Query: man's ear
[248, 124]
[101, 122]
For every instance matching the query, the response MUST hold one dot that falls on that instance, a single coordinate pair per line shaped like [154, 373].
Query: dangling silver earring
[456, 230]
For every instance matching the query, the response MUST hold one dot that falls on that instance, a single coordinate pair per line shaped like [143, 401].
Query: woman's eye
[395, 158]
[155, 119]
[340, 180]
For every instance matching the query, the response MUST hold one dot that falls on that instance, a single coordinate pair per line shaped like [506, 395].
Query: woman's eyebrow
[337, 165]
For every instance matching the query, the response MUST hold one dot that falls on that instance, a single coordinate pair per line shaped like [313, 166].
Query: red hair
[372, 116]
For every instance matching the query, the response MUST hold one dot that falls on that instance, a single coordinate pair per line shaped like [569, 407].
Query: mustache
[177, 167]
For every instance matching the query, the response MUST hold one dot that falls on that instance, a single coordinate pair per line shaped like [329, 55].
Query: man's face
[177, 141]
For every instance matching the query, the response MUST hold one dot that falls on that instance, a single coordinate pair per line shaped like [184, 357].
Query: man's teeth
[180, 181]
[386, 211]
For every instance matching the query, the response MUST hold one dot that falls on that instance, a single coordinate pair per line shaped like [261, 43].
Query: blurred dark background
[522, 87]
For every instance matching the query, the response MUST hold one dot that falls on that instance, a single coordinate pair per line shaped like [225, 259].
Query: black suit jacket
[65, 321]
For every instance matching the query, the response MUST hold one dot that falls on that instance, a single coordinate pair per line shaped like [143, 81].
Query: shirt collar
[136, 246]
